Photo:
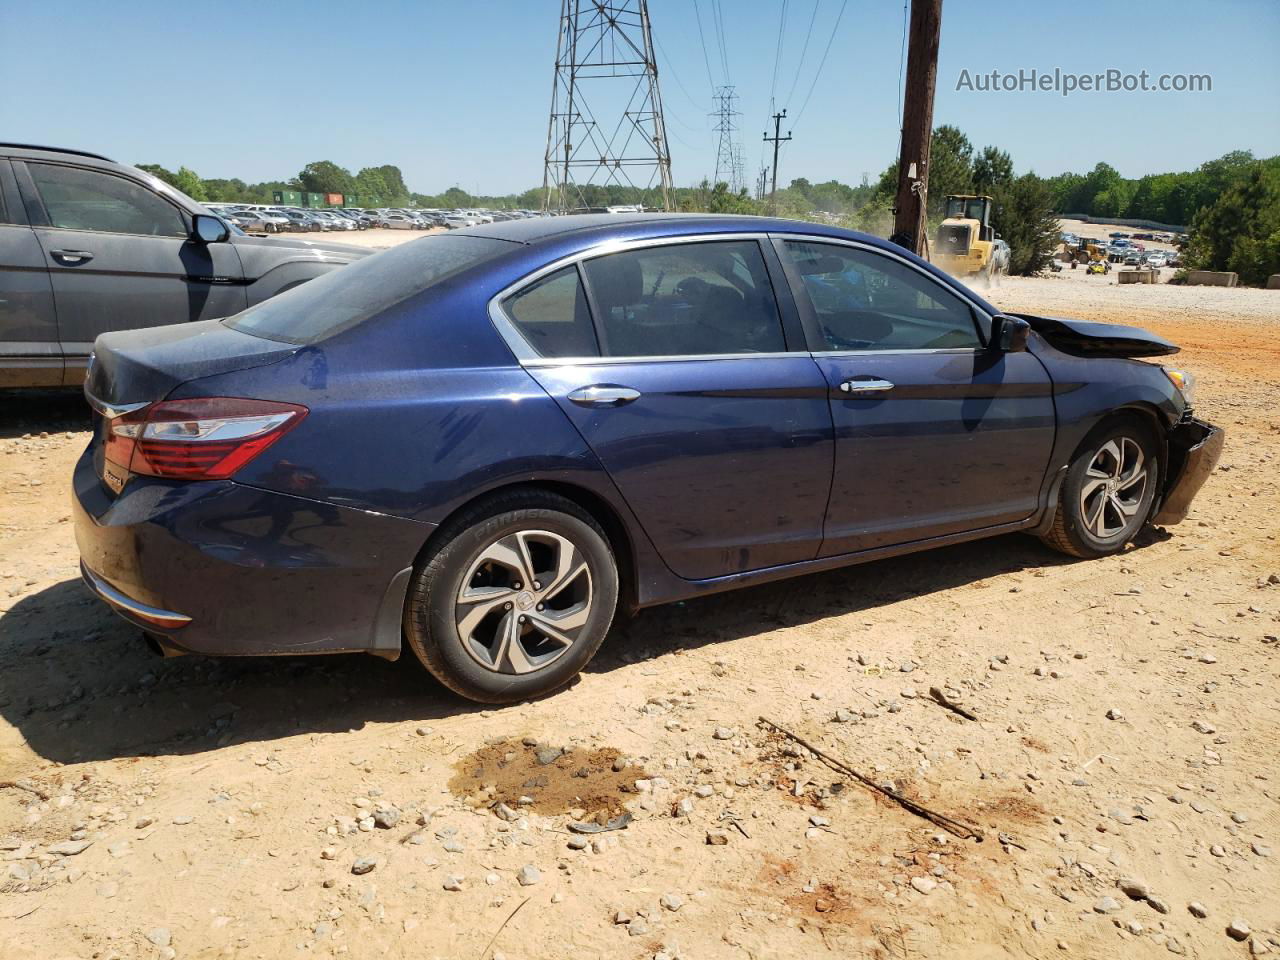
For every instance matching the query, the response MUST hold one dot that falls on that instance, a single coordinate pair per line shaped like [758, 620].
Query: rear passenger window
[686, 299]
[552, 316]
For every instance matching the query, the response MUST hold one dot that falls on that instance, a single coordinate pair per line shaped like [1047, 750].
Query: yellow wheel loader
[1088, 254]
[966, 240]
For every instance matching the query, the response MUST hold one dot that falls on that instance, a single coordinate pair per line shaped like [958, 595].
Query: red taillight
[205, 438]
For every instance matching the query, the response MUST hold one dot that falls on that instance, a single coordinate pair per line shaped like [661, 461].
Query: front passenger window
[869, 301]
[77, 199]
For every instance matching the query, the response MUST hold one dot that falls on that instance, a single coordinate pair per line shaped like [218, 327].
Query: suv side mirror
[207, 229]
[1009, 334]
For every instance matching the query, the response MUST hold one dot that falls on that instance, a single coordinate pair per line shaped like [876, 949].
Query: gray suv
[88, 245]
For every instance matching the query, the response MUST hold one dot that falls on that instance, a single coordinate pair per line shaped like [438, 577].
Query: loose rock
[1238, 930]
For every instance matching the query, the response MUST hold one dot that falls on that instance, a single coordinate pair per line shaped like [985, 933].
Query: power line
[804, 50]
[718, 13]
[777, 53]
[680, 83]
[705, 59]
[822, 62]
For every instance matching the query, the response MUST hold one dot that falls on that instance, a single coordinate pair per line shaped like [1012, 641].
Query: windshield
[344, 297]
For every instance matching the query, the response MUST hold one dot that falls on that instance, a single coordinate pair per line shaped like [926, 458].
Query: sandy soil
[1127, 732]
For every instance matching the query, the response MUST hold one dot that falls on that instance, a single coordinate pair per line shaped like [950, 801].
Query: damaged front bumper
[1194, 449]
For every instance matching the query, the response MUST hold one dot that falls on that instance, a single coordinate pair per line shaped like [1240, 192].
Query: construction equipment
[1087, 253]
[966, 239]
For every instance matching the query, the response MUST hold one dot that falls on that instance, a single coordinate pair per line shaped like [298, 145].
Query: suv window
[552, 315]
[80, 199]
[868, 301]
[686, 299]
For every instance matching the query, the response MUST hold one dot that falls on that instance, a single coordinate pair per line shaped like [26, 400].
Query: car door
[29, 351]
[672, 362]
[120, 256]
[935, 434]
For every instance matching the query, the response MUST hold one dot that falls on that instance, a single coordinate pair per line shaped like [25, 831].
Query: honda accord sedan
[482, 444]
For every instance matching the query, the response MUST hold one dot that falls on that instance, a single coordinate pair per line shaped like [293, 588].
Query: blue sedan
[481, 444]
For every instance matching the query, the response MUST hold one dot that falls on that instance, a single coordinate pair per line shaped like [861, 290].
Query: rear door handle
[603, 395]
[858, 386]
[72, 257]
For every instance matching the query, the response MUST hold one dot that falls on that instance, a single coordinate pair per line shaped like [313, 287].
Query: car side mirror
[207, 229]
[1009, 334]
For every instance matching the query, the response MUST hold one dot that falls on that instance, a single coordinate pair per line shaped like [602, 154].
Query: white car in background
[1156, 260]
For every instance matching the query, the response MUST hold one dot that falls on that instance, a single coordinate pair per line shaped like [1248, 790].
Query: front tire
[516, 599]
[1107, 494]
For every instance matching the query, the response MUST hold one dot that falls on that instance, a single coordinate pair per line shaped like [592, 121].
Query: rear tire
[1108, 491]
[515, 600]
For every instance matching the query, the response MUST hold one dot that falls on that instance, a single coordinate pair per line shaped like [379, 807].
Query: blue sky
[458, 93]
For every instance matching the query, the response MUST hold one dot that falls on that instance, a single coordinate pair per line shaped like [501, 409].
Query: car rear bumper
[1194, 449]
[221, 568]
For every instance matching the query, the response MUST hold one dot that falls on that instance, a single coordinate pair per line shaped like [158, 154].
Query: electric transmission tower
[606, 125]
[729, 152]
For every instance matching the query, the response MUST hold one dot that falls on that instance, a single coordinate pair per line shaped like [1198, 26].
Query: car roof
[589, 225]
[36, 148]
[571, 234]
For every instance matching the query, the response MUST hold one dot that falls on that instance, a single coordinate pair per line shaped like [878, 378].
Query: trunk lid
[143, 366]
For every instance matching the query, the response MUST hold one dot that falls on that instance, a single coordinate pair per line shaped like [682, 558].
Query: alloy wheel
[523, 601]
[1114, 487]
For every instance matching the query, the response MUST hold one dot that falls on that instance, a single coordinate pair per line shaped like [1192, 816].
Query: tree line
[1232, 204]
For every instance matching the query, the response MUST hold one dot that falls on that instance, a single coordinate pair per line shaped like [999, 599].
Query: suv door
[120, 257]
[935, 434]
[671, 360]
[29, 351]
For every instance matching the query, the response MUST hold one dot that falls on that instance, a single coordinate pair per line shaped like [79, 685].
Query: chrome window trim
[658, 358]
[961, 292]
[909, 351]
[528, 357]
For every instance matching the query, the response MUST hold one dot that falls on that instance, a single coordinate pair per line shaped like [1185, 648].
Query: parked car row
[1129, 249]
[262, 218]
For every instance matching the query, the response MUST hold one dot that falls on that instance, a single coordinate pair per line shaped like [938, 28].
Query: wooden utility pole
[777, 139]
[909, 228]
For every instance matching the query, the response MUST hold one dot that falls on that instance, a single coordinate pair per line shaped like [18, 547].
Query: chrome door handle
[861, 385]
[72, 257]
[603, 395]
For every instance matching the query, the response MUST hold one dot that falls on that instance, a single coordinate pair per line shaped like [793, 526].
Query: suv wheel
[1108, 491]
[516, 600]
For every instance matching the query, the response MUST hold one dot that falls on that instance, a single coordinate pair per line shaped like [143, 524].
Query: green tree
[1022, 213]
[950, 167]
[159, 172]
[189, 182]
[1240, 231]
[325, 176]
[227, 191]
[992, 168]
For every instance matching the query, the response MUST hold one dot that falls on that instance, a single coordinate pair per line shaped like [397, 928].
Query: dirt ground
[1126, 741]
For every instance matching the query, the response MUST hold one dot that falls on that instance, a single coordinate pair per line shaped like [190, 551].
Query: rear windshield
[342, 298]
